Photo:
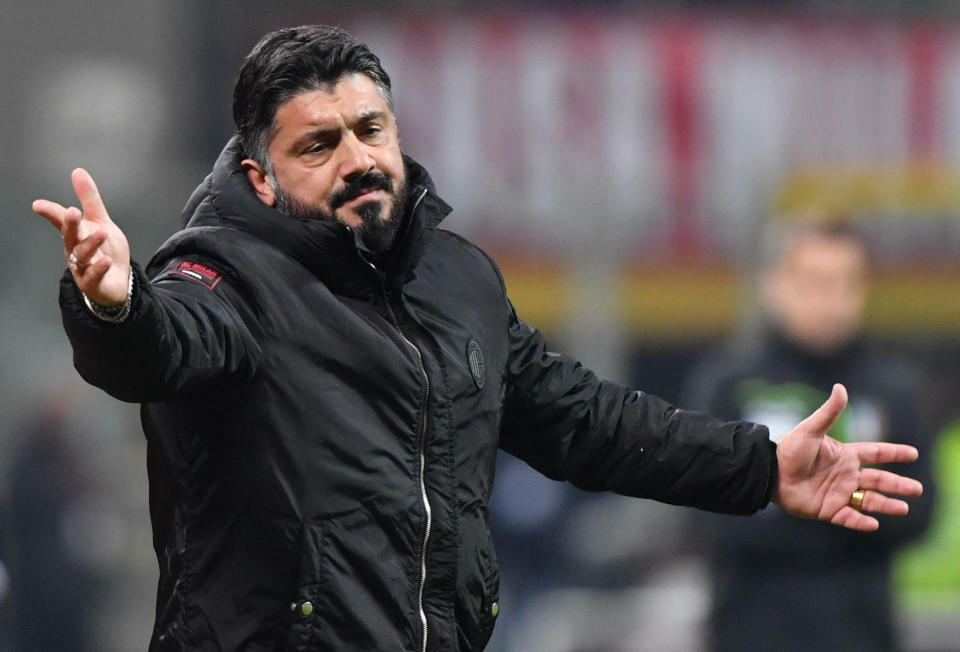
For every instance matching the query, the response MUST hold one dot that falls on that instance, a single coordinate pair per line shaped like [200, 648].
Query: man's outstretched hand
[819, 474]
[101, 263]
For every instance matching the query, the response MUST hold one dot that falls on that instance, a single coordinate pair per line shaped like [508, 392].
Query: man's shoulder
[448, 238]
[457, 249]
[228, 247]
[453, 271]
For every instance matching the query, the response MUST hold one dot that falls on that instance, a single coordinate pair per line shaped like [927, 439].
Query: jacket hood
[330, 250]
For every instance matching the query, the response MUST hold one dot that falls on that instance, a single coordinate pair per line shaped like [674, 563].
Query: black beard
[376, 233]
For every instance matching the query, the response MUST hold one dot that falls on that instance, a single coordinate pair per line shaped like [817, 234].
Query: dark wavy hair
[290, 61]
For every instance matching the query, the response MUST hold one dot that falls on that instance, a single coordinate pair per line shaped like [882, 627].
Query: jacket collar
[329, 250]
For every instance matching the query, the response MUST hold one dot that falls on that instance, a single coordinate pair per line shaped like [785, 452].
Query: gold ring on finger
[856, 499]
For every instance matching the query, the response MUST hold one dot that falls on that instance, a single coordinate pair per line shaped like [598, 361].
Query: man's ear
[260, 181]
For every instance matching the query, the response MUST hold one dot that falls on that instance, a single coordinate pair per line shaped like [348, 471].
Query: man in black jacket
[777, 584]
[325, 377]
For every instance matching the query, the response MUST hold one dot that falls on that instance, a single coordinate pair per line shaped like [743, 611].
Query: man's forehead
[349, 98]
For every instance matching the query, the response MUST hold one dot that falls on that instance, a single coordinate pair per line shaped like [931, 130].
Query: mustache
[372, 180]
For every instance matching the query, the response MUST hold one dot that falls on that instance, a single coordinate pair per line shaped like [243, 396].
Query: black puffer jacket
[322, 433]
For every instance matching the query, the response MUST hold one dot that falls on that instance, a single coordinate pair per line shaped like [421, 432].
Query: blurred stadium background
[617, 158]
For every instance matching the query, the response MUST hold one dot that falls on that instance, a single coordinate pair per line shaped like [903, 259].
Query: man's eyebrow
[369, 116]
[313, 136]
[321, 133]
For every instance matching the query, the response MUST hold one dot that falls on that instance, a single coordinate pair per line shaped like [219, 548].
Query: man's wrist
[113, 314]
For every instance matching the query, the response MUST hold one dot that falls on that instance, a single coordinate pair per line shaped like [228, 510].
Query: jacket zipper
[425, 406]
[423, 485]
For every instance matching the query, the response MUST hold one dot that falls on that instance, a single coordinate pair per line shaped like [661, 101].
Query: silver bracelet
[113, 314]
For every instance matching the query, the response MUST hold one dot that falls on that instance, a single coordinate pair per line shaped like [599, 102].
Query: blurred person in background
[6, 608]
[326, 375]
[52, 589]
[779, 583]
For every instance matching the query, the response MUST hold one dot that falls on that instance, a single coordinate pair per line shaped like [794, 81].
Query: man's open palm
[819, 474]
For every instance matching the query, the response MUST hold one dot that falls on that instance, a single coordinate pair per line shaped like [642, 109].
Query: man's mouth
[363, 190]
[365, 196]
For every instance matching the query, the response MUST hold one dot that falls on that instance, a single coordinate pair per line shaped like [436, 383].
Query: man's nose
[356, 159]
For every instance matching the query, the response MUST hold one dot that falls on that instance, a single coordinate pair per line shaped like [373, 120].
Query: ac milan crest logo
[475, 358]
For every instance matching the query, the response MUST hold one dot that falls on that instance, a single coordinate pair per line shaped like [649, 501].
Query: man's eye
[372, 130]
[316, 148]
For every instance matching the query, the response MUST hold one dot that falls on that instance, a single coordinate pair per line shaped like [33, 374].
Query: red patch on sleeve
[198, 272]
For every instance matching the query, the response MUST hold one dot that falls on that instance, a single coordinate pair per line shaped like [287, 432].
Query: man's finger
[50, 211]
[89, 196]
[71, 228]
[883, 452]
[889, 483]
[92, 274]
[86, 249]
[850, 518]
[818, 423]
[877, 503]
